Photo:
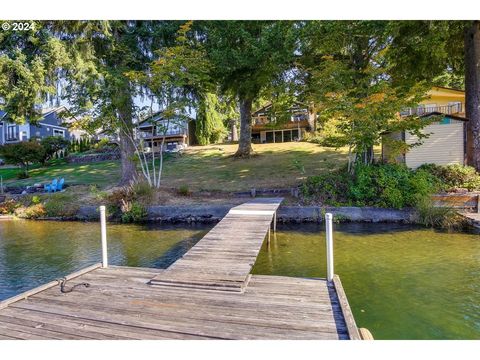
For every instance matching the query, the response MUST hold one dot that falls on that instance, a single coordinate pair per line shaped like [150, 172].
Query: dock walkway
[207, 294]
[223, 259]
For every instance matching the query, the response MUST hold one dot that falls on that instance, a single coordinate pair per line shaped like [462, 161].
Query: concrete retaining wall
[286, 214]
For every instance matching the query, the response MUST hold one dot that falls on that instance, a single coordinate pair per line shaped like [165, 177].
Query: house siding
[444, 146]
[45, 127]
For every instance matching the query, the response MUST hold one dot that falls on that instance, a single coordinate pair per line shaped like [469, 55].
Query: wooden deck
[223, 259]
[119, 304]
[188, 300]
[472, 218]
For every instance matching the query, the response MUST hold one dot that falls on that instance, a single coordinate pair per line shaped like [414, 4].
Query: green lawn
[208, 168]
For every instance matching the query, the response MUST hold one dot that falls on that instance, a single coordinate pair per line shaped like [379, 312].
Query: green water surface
[402, 282]
[35, 252]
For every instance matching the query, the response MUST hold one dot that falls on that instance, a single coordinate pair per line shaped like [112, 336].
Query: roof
[448, 88]
[48, 117]
[437, 113]
[157, 116]
[297, 106]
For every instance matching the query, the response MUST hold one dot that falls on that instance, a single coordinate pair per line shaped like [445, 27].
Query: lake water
[402, 282]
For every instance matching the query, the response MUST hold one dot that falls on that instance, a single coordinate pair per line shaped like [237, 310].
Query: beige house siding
[444, 146]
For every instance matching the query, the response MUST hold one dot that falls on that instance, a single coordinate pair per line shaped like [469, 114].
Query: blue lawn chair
[59, 186]
[51, 187]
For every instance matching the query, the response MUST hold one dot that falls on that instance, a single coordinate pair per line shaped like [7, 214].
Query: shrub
[330, 188]
[133, 212]
[61, 205]
[31, 212]
[143, 190]
[438, 216]
[52, 145]
[8, 207]
[184, 190]
[454, 176]
[383, 185]
[35, 199]
[22, 154]
[22, 175]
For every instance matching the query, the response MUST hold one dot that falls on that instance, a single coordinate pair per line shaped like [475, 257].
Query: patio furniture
[51, 187]
[60, 185]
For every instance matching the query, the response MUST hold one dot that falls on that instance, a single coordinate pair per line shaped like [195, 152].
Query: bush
[383, 185]
[454, 176]
[438, 217]
[52, 145]
[22, 154]
[8, 207]
[31, 212]
[61, 205]
[133, 212]
[143, 190]
[35, 199]
[22, 175]
[183, 190]
[330, 188]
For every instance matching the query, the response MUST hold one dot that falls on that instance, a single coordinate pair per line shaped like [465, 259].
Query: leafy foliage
[383, 185]
[8, 207]
[133, 212]
[23, 154]
[454, 176]
[209, 126]
[52, 145]
[438, 216]
[346, 73]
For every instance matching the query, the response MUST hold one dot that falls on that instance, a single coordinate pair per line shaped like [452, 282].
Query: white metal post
[275, 222]
[329, 235]
[103, 224]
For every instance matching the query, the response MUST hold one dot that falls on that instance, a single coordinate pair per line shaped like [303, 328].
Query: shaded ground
[210, 168]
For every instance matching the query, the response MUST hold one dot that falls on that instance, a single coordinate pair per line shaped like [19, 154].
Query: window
[12, 132]
[278, 137]
[269, 136]
[57, 132]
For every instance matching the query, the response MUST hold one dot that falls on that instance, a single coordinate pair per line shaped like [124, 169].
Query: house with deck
[54, 122]
[448, 141]
[177, 132]
[268, 128]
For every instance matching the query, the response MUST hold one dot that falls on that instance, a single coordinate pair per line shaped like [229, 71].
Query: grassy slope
[208, 168]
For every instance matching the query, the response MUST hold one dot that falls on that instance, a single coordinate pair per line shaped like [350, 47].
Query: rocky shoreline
[285, 214]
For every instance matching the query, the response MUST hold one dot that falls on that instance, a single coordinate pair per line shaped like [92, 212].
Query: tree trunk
[234, 131]
[312, 119]
[127, 149]
[472, 93]
[245, 141]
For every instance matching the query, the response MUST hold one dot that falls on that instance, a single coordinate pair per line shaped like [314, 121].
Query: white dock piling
[103, 224]
[329, 240]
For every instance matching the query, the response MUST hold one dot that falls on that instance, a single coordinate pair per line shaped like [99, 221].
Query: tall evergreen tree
[247, 57]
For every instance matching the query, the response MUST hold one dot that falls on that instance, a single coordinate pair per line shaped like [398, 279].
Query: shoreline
[285, 214]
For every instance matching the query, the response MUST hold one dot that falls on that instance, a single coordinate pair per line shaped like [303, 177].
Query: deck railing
[424, 110]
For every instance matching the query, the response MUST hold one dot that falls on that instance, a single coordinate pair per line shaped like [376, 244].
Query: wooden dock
[472, 218]
[223, 259]
[207, 294]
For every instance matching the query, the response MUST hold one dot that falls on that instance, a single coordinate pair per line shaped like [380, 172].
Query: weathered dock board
[188, 300]
[223, 259]
[472, 218]
[119, 304]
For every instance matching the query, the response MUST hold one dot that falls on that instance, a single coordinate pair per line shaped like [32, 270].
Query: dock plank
[207, 294]
[223, 259]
